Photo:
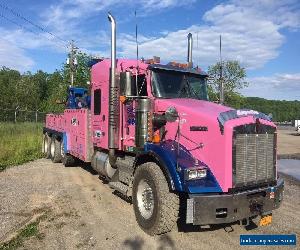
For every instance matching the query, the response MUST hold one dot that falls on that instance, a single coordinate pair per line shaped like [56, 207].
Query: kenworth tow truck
[151, 131]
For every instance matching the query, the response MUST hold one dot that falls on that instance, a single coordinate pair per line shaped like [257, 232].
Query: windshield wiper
[187, 86]
[183, 88]
[191, 88]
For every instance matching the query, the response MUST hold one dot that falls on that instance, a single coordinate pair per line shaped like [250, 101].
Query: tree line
[41, 90]
[234, 77]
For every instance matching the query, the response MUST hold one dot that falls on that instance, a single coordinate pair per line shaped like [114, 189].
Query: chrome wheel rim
[145, 199]
[52, 148]
[62, 150]
[45, 144]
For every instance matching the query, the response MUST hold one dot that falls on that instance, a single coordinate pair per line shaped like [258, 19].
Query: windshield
[172, 84]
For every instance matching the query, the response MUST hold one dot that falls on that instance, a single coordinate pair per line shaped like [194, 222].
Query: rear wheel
[156, 208]
[67, 159]
[55, 150]
[46, 146]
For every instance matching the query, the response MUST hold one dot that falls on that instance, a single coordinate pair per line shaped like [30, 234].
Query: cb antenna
[137, 53]
[221, 83]
[197, 51]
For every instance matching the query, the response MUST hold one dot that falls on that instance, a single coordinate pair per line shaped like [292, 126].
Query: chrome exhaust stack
[190, 50]
[113, 126]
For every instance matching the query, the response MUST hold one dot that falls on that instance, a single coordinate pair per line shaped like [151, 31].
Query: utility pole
[72, 61]
[221, 75]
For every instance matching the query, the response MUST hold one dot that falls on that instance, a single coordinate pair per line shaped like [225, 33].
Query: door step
[119, 186]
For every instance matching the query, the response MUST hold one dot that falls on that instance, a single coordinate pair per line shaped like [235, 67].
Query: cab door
[99, 117]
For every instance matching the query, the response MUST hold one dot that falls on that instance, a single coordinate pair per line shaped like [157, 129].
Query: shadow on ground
[164, 242]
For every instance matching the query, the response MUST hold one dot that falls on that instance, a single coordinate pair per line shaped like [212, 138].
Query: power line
[30, 30]
[18, 24]
[66, 43]
[15, 13]
[62, 42]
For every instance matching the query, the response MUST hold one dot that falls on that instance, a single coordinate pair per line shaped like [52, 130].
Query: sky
[263, 35]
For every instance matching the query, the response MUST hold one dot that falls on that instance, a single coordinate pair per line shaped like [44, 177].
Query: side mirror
[171, 114]
[127, 86]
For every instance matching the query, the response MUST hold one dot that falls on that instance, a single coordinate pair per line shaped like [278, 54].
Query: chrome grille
[253, 158]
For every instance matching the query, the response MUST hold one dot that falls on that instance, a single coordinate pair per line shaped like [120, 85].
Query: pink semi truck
[151, 131]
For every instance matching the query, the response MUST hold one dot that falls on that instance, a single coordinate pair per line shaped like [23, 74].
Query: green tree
[233, 77]
[82, 73]
[56, 90]
[8, 85]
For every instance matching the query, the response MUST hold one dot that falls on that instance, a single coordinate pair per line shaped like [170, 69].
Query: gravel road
[80, 212]
[288, 144]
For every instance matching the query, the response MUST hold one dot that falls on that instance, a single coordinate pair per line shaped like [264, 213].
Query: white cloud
[14, 57]
[64, 18]
[284, 13]
[28, 40]
[251, 34]
[279, 86]
[251, 30]
[156, 5]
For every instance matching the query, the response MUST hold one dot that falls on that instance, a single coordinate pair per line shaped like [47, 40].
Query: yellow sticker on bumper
[265, 220]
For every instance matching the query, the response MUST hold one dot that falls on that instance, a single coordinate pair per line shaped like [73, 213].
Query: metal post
[16, 114]
[190, 50]
[221, 83]
[71, 61]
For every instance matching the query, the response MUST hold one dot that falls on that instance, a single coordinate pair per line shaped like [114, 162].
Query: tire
[156, 208]
[55, 150]
[46, 146]
[67, 159]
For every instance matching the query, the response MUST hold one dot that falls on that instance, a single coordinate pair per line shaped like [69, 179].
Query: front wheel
[156, 208]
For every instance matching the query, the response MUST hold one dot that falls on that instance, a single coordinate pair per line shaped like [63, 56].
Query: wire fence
[17, 115]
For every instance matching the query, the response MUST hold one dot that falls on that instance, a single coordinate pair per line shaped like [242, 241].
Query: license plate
[265, 220]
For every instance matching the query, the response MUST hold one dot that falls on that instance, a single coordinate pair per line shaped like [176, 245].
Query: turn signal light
[156, 138]
[122, 98]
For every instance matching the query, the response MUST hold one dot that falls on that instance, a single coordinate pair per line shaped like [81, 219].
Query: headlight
[195, 173]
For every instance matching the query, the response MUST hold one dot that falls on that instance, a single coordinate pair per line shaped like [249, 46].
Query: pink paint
[74, 122]
[217, 148]
[76, 128]
[100, 80]
[55, 122]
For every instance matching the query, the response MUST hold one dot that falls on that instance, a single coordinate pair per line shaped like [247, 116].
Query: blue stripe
[65, 142]
[167, 153]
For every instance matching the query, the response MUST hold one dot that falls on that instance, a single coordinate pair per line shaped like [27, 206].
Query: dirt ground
[80, 212]
[288, 143]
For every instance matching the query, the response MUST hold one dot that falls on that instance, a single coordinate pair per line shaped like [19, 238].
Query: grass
[19, 143]
[28, 231]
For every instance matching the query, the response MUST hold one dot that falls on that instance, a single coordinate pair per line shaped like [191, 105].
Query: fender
[167, 160]
[167, 163]
[53, 132]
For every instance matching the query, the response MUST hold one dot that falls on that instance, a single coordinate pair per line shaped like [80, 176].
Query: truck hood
[209, 110]
[206, 132]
